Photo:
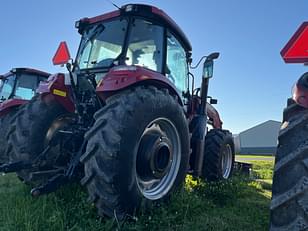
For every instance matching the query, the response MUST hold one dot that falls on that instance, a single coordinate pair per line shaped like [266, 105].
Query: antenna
[114, 5]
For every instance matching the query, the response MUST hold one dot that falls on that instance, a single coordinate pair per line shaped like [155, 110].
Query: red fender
[55, 87]
[122, 77]
[210, 111]
[214, 116]
[8, 105]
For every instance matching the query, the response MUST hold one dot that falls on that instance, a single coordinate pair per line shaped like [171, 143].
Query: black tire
[112, 172]
[291, 109]
[27, 135]
[218, 147]
[289, 205]
[5, 122]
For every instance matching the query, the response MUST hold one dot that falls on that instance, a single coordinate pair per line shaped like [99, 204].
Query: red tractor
[17, 87]
[290, 183]
[127, 117]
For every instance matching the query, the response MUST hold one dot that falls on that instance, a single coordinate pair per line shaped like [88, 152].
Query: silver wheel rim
[226, 161]
[154, 189]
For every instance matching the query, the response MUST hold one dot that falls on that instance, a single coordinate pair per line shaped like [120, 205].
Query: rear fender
[117, 80]
[10, 104]
[55, 86]
[211, 112]
[214, 116]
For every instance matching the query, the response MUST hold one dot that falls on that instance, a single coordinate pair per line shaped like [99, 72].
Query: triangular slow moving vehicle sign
[296, 50]
[62, 55]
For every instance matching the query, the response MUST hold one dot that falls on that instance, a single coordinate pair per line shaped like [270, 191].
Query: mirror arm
[194, 67]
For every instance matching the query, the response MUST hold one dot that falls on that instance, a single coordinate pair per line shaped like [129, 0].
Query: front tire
[218, 155]
[137, 152]
[290, 182]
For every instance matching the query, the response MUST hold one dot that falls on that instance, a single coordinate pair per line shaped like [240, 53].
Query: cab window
[177, 67]
[6, 87]
[145, 45]
[102, 44]
[26, 86]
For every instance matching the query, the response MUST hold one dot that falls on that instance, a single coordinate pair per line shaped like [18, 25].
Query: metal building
[260, 139]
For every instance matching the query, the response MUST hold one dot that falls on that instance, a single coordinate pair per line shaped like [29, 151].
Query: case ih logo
[296, 50]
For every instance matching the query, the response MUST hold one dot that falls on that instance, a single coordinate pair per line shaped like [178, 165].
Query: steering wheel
[105, 63]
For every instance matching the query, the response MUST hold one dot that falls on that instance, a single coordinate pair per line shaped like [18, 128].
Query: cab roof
[25, 70]
[147, 11]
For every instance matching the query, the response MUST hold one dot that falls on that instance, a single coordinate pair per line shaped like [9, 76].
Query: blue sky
[251, 81]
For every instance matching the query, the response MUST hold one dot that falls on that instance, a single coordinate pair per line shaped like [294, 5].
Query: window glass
[26, 86]
[145, 45]
[176, 68]
[7, 87]
[102, 44]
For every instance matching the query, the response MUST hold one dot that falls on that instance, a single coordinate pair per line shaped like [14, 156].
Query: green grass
[263, 169]
[238, 204]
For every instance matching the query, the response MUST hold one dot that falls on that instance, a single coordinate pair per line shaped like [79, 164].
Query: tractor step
[15, 166]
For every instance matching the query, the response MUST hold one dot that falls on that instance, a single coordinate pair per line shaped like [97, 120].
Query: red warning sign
[296, 50]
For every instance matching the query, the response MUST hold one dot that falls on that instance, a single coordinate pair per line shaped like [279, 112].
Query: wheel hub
[154, 156]
[158, 159]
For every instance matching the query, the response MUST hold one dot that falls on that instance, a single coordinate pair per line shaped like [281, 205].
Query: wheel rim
[158, 159]
[226, 161]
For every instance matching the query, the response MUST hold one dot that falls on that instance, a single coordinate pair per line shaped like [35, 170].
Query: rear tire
[289, 206]
[291, 109]
[29, 135]
[218, 155]
[5, 122]
[118, 175]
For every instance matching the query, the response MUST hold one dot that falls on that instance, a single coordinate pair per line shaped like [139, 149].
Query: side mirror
[209, 65]
[62, 55]
[208, 69]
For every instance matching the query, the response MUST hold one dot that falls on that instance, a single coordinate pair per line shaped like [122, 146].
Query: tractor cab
[135, 37]
[20, 83]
